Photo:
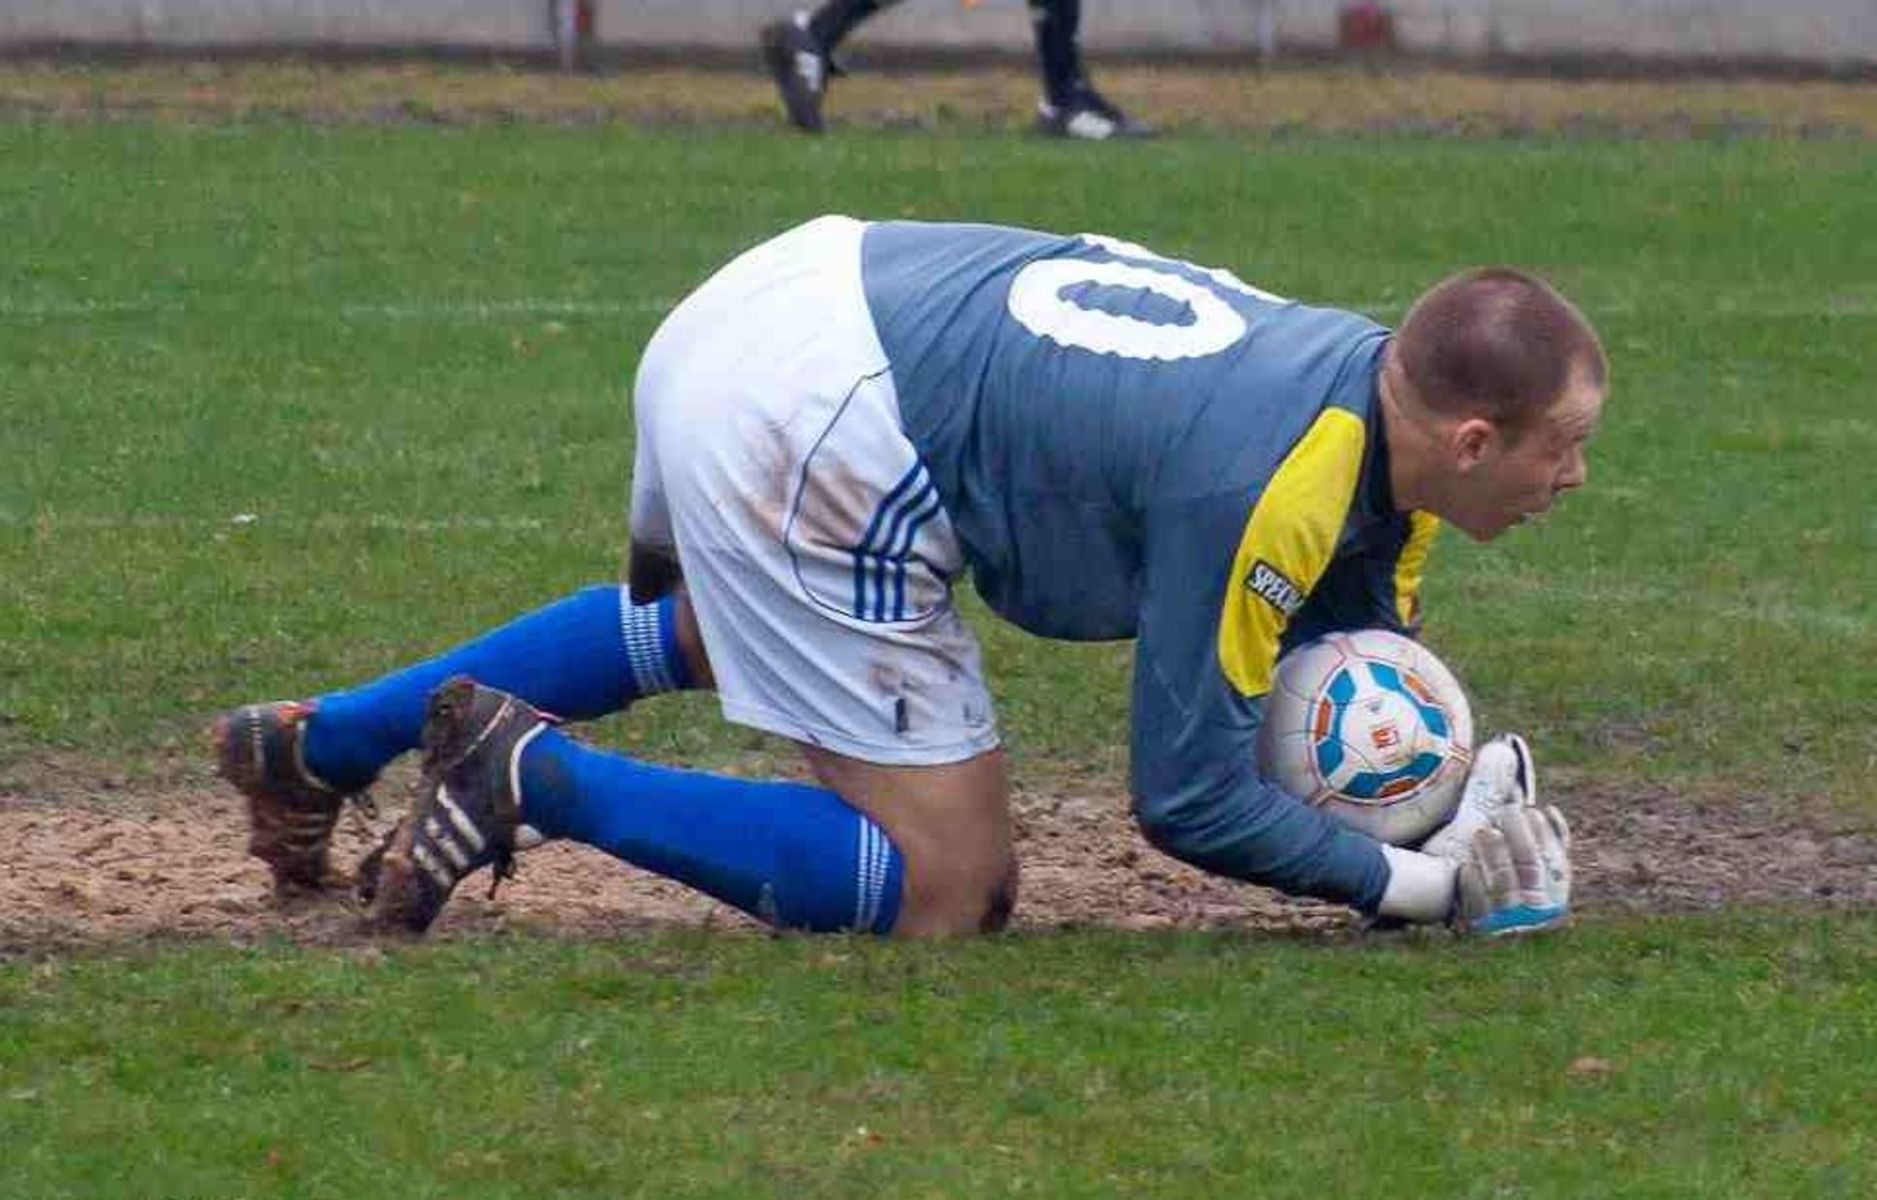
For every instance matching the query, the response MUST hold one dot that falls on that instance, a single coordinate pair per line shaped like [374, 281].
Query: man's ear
[1470, 442]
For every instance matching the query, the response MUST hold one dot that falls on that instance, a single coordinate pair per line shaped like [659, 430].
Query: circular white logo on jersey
[1037, 302]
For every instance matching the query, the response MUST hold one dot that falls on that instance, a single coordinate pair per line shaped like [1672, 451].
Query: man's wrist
[1420, 887]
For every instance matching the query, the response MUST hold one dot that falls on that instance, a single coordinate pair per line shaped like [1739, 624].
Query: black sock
[1056, 25]
[836, 19]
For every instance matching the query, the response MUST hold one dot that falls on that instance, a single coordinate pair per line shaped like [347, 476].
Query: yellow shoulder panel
[1412, 565]
[1287, 545]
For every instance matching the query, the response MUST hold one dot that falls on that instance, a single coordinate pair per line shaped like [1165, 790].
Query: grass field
[286, 404]
[248, 363]
[1720, 1059]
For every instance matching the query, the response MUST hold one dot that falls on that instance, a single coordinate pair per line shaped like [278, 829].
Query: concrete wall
[1825, 33]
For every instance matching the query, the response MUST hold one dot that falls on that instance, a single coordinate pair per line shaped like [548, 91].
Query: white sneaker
[1087, 115]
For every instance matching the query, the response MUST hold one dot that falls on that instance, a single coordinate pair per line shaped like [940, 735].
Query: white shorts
[771, 460]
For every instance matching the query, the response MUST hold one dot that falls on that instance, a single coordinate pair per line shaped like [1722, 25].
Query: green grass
[1708, 1061]
[287, 405]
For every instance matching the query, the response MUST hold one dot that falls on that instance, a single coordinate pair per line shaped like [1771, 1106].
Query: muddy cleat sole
[800, 68]
[466, 814]
[261, 750]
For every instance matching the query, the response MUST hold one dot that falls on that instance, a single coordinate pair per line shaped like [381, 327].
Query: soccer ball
[1372, 728]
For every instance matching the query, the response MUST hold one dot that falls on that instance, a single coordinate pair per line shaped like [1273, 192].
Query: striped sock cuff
[877, 877]
[650, 633]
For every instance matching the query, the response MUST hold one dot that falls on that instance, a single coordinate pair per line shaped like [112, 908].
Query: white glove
[1503, 776]
[1516, 875]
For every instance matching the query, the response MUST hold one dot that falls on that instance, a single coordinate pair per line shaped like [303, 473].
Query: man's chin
[1486, 528]
[1481, 532]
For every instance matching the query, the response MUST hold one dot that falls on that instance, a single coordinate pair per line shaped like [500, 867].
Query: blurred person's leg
[1071, 107]
[799, 52]
[833, 21]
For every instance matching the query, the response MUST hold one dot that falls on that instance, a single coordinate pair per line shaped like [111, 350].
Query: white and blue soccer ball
[1372, 728]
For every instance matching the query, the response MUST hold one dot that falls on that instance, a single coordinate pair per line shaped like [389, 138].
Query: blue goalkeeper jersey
[1133, 446]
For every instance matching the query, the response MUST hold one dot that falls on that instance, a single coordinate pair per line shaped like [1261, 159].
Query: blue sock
[795, 856]
[583, 656]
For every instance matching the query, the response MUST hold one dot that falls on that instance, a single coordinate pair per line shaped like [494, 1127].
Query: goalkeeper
[842, 421]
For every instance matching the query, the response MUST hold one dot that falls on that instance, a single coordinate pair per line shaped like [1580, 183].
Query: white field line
[468, 311]
[52, 523]
[1780, 614]
[481, 311]
[475, 311]
[12, 309]
[1854, 307]
[1777, 613]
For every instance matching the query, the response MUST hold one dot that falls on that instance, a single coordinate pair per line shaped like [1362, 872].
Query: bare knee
[948, 899]
[951, 825]
[1003, 901]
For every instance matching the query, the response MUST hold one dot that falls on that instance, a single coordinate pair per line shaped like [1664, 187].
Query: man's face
[1506, 479]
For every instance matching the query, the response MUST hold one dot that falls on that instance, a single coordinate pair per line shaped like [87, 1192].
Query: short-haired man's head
[1497, 343]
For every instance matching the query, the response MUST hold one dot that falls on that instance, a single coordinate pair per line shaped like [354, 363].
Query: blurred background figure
[799, 52]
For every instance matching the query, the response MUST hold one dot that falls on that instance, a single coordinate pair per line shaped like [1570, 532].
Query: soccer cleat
[1503, 776]
[800, 68]
[1086, 114]
[261, 750]
[467, 812]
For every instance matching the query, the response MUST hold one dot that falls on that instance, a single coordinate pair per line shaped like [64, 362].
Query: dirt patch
[1414, 99]
[99, 864]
